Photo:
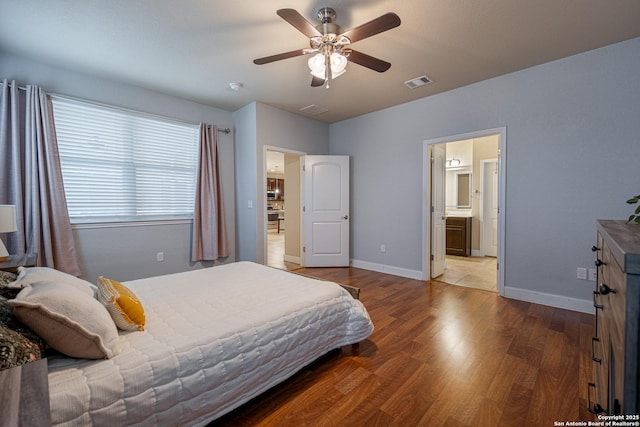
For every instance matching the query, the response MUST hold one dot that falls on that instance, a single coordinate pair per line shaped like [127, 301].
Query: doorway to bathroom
[463, 236]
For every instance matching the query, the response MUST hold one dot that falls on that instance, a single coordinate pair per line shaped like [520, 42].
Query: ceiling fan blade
[316, 81]
[278, 57]
[369, 61]
[299, 22]
[382, 23]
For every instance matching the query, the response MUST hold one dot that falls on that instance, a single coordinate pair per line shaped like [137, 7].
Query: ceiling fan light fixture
[330, 44]
[316, 65]
[337, 62]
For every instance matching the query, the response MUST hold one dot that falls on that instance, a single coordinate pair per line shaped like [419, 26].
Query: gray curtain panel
[209, 234]
[31, 178]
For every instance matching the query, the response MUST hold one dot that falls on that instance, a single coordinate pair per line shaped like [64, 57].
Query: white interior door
[438, 214]
[490, 208]
[326, 211]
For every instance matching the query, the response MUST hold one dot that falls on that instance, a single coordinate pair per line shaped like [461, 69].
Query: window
[118, 165]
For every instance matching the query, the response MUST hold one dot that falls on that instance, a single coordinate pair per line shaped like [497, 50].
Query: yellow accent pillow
[122, 304]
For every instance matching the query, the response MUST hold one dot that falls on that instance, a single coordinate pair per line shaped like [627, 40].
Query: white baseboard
[389, 269]
[558, 301]
[476, 252]
[292, 259]
[574, 304]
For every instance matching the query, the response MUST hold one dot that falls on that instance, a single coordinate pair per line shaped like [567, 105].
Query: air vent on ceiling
[417, 82]
[313, 109]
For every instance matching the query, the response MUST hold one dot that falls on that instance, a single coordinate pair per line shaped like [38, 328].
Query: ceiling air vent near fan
[314, 109]
[417, 82]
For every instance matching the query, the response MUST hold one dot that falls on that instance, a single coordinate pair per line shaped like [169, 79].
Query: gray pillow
[32, 275]
[68, 319]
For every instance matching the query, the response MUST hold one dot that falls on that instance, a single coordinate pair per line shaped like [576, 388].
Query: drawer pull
[594, 248]
[596, 407]
[596, 305]
[599, 263]
[604, 289]
[593, 350]
[616, 407]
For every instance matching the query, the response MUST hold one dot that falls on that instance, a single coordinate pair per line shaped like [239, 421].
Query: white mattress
[214, 339]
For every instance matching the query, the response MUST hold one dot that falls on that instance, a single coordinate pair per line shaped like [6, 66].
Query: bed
[213, 339]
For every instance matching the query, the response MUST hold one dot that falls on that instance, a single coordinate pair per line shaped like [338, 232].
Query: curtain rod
[225, 130]
[11, 85]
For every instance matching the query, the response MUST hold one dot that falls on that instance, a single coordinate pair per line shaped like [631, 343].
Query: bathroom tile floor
[275, 251]
[471, 272]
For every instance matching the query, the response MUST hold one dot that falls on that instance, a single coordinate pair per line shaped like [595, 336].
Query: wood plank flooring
[440, 355]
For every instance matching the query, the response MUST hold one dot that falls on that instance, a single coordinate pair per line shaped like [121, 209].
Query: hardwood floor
[440, 355]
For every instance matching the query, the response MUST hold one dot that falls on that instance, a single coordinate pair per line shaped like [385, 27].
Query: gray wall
[573, 147]
[127, 253]
[246, 166]
[277, 128]
[259, 125]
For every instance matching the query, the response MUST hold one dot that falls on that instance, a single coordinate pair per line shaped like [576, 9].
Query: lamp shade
[7, 225]
[8, 219]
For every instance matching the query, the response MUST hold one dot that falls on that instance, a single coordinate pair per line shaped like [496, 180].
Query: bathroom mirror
[463, 190]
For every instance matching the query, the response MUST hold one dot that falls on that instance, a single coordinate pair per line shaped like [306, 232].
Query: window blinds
[118, 165]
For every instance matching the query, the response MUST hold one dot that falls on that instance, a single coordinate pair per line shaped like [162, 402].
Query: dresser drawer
[613, 292]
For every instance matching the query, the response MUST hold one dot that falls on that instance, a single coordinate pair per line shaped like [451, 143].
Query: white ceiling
[194, 48]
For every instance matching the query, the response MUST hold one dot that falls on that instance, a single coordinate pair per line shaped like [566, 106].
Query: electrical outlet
[582, 273]
[593, 274]
[383, 248]
[160, 256]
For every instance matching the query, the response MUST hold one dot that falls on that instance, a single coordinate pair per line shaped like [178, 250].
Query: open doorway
[473, 181]
[282, 208]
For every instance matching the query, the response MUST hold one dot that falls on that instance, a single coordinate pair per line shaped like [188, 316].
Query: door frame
[501, 132]
[262, 204]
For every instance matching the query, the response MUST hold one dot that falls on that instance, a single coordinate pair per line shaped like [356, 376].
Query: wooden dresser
[615, 348]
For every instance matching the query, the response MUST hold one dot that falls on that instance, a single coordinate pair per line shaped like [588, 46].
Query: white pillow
[31, 275]
[68, 319]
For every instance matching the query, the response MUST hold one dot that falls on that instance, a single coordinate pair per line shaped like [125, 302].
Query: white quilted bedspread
[214, 339]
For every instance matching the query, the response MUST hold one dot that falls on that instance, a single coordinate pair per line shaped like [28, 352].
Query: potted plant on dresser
[635, 216]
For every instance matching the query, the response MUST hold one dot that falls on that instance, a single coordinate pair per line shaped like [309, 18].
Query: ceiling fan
[331, 45]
